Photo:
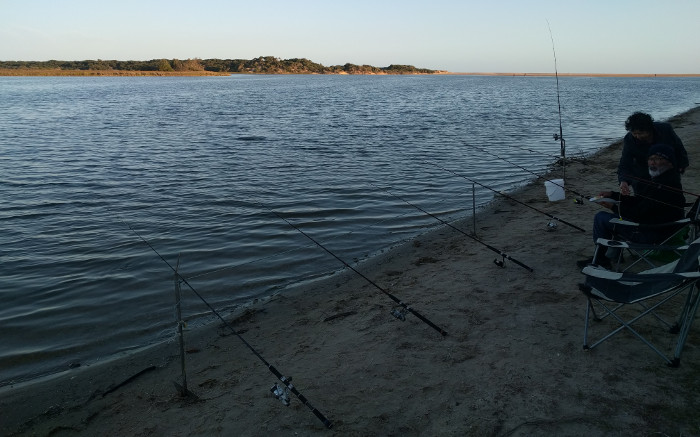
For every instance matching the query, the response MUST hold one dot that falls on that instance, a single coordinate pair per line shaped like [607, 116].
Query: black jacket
[633, 161]
[660, 200]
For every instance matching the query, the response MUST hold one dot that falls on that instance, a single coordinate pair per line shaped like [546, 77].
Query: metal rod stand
[182, 389]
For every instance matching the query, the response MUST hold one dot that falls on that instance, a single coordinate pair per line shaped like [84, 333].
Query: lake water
[91, 167]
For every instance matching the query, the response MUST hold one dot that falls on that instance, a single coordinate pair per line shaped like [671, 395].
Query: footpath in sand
[511, 364]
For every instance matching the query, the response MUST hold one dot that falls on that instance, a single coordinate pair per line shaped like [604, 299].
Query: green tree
[164, 65]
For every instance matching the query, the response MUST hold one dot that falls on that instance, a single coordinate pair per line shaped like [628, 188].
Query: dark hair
[639, 121]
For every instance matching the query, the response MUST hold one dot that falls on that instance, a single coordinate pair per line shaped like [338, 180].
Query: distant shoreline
[260, 65]
[93, 73]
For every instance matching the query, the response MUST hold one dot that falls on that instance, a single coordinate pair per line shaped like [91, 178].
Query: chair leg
[585, 328]
[687, 317]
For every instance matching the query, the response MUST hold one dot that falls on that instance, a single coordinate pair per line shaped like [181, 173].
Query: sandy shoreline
[511, 364]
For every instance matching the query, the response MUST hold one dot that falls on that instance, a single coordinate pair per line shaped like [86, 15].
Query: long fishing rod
[581, 196]
[662, 187]
[559, 137]
[527, 149]
[397, 314]
[481, 149]
[666, 187]
[287, 381]
[504, 256]
[258, 260]
[507, 196]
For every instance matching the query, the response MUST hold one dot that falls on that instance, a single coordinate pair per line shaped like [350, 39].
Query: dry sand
[511, 364]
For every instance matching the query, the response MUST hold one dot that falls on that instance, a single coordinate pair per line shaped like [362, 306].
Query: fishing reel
[557, 137]
[399, 313]
[551, 226]
[281, 392]
[501, 263]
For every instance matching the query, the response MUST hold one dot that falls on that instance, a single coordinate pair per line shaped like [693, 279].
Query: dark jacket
[633, 161]
[660, 200]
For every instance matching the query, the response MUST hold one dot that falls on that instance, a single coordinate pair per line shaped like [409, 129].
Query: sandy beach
[511, 364]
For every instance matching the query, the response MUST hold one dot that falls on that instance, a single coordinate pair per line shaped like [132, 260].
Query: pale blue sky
[590, 36]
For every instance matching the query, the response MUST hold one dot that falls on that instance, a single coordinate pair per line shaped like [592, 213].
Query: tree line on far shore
[260, 65]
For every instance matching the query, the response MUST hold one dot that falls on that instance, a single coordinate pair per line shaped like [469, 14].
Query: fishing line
[503, 254]
[405, 306]
[287, 381]
[581, 196]
[666, 187]
[538, 152]
[663, 187]
[507, 196]
[481, 149]
[559, 137]
[235, 266]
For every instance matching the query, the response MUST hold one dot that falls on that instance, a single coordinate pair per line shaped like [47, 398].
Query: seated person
[660, 200]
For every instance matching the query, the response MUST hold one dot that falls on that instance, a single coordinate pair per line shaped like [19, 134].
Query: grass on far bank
[60, 72]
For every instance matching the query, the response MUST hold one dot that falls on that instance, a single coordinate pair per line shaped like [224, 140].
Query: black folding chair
[651, 293]
[677, 233]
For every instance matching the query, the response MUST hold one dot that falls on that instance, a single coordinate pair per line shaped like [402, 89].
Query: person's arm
[681, 153]
[625, 166]
[669, 136]
[660, 205]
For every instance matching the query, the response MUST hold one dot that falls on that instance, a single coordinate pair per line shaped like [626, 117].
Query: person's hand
[608, 195]
[625, 188]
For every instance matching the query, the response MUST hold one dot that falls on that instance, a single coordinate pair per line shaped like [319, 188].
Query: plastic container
[555, 189]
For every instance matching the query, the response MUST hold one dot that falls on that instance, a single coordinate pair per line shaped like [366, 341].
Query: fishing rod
[662, 187]
[258, 260]
[539, 152]
[481, 149]
[581, 196]
[560, 136]
[279, 392]
[507, 196]
[504, 256]
[666, 187]
[396, 313]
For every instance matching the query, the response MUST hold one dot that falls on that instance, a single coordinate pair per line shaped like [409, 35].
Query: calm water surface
[89, 166]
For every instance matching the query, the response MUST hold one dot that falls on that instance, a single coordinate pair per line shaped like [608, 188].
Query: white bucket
[555, 189]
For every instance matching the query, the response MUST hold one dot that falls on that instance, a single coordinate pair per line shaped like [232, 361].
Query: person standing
[642, 132]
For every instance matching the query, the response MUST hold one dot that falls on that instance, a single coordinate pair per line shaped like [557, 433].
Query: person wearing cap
[642, 133]
[659, 199]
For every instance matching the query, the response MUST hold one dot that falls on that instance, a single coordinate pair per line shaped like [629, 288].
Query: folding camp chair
[652, 292]
[678, 233]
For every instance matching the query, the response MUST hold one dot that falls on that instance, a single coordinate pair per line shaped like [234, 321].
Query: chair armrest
[598, 272]
[640, 246]
[677, 223]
